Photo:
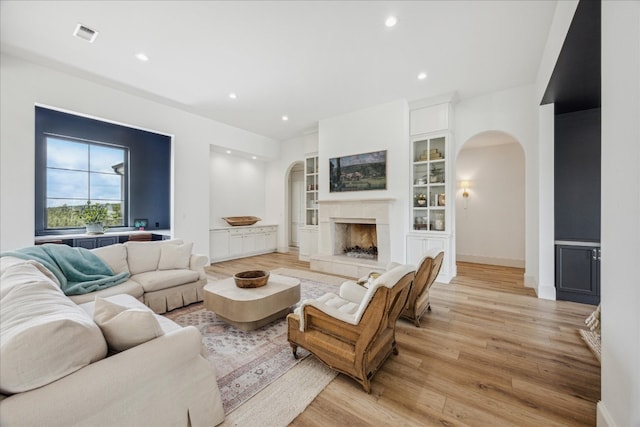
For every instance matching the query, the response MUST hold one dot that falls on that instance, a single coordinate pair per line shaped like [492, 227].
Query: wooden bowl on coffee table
[251, 278]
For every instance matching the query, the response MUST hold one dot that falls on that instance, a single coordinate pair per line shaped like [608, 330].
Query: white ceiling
[308, 60]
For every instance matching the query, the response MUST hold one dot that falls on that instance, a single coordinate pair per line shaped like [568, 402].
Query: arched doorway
[490, 219]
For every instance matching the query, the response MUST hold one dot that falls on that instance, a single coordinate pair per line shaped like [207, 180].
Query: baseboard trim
[546, 292]
[504, 262]
[530, 281]
[603, 417]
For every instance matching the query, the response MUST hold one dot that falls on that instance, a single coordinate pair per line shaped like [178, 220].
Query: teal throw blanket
[78, 270]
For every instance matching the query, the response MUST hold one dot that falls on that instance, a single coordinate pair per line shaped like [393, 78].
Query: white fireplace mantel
[330, 201]
[375, 210]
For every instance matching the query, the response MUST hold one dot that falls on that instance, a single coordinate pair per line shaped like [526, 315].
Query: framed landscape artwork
[358, 172]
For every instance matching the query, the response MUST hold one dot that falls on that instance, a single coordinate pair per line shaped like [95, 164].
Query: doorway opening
[490, 200]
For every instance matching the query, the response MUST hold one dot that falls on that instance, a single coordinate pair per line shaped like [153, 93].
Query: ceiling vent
[85, 33]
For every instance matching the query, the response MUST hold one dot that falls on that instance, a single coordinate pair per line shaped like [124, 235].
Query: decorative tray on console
[241, 220]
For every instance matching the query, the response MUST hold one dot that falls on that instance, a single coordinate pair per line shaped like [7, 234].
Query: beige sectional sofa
[164, 274]
[112, 362]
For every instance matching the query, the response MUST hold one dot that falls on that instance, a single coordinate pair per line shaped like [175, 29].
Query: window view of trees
[70, 216]
[79, 172]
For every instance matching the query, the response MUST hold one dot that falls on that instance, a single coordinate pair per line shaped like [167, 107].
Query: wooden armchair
[418, 301]
[353, 336]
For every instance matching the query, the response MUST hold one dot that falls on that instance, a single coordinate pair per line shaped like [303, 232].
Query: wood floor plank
[488, 353]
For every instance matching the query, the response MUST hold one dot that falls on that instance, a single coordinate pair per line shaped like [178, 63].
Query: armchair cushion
[355, 310]
[332, 305]
[352, 291]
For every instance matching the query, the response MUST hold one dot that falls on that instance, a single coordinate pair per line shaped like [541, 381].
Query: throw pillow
[175, 256]
[125, 327]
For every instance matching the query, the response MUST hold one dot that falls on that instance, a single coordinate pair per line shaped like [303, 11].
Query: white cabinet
[308, 233]
[311, 190]
[235, 242]
[417, 247]
[432, 218]
[271, 241]
[238, 242]
[219, 244]
[308, 243]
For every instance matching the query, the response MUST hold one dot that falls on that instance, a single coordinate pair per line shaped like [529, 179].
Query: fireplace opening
[357, 240]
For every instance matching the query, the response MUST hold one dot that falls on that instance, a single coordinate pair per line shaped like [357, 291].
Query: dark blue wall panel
[577, 176]
[149, 167]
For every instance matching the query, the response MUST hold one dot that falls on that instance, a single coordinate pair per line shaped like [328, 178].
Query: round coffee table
[251, 308]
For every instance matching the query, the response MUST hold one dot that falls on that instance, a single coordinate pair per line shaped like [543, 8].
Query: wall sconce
[465, 189]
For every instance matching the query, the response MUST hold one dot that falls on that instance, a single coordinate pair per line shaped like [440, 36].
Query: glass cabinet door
[428, 182]
[311, 190]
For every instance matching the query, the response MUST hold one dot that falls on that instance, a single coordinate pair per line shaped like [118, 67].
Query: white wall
[24, 84]
[382, 127]
[513, 111]
[276, 182]
[490, 222]
[237, 188]
[545, 270]
[620, 241]
[540, 272]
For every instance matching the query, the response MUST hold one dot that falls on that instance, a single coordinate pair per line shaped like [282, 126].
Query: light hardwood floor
[489, 353]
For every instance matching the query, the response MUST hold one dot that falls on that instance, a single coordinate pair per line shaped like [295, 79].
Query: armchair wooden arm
[357, 350]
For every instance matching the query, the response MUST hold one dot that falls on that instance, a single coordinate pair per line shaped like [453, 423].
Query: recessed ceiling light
[142, 57]
[391, 21]
[254, 157]
[228, 151]
[85, 33]
[422, 76]
[233, 95]
[285, 118]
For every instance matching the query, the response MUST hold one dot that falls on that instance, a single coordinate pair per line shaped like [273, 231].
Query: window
[79, 171]
[78, 159]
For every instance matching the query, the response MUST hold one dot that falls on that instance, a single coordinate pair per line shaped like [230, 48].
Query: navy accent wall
[149, 163]
[577, 176]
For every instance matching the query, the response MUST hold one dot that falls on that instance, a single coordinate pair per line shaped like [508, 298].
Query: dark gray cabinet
[95, 242]
[578, 272]
[98, 241]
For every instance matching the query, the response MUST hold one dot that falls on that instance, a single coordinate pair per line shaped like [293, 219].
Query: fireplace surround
[362, 223]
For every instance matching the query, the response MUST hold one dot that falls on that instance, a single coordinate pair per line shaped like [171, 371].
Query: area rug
[247, 362]
[592, 336]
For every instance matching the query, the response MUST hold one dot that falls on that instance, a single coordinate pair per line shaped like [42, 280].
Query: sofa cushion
[8, 262]
[144, 256]
[44, 336]
[115, 256]
[175, 256]
[18, 273]
[130, 287]
[163, 279]
[125, 327]
[128, 301]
